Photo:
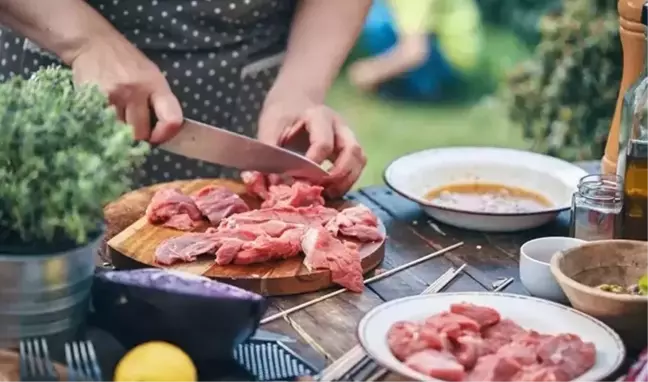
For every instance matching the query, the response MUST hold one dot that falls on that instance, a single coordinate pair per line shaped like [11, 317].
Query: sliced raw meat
[311, 216]
[356, 222]
[436, 364]
[404, 339]
[181, 222]
[267, 248]
[494, 368]
[568, 353]
[501, 333]
[453, 325]
[541, 373]
[170, 206]
[217, 202]
[484, 316]
[255, 183]
[299, 194]
[185, 248]
[323, 251]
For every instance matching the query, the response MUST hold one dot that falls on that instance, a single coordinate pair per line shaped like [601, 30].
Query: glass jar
[596, 208]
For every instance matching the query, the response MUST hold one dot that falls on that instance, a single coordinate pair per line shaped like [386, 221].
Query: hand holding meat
[133, 85]
[329, 137]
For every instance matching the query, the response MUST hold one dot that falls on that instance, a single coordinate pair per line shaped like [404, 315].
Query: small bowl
[416, 174]
[580, 270]
[535, 266]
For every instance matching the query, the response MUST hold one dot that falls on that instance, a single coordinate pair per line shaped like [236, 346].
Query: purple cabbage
[178, 282]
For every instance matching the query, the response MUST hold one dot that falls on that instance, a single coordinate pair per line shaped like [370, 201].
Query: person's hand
[133, 84]
[284, 116]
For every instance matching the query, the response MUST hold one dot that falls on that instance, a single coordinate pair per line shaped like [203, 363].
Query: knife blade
[201, 141]
[266, 335]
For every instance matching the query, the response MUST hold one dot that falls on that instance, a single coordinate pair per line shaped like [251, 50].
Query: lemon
[156, 361]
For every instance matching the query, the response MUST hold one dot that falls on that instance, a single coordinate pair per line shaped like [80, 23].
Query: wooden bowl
[580, 270]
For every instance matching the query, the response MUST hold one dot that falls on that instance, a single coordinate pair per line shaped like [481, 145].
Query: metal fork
[82, 361]
[35, 362]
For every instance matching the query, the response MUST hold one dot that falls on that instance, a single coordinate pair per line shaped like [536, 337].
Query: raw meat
[356, 222]
[293, 220]
[278, 192]
[472, 342]
[217, 202]
[323, 251]
[311, 216]
[184, 248]
[404, 339]
[436, 364]
[173, 209]
[482, 315]
[568, 353]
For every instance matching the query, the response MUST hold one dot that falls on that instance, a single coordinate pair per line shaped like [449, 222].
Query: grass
[388, 129]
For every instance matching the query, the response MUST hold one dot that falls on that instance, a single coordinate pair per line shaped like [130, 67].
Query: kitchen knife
[211, 144]
[265, 335]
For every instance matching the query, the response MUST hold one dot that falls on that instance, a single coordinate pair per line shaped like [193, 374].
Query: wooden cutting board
[135, 245]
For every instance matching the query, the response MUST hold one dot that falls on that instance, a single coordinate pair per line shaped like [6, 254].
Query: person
[419, 49]
[257, 67]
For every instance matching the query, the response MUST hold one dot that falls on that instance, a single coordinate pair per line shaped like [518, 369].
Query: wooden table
[327, 330]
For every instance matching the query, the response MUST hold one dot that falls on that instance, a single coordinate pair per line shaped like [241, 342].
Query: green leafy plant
[63, 156]
[564, 97]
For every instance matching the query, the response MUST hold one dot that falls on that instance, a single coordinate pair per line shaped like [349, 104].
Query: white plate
[416, 174]
[529, 312]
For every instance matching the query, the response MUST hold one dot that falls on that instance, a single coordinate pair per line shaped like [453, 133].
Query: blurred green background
[388, 129]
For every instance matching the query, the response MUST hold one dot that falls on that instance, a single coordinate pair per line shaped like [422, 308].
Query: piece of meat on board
[185, 248]
[310, 216]
[356, 222]
[175, 210]
[323, 251]
[216, 203]
[267, 248]
[299, 194]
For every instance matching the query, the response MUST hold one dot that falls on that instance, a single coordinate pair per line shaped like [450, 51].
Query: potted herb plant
[63, 156]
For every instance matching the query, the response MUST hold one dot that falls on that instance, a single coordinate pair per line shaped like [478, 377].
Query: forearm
[322, 34]
[63, 27]
[409, 53]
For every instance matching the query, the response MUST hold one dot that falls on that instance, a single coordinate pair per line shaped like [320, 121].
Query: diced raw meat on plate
[404, 339]
[436, 364]
[483, 315]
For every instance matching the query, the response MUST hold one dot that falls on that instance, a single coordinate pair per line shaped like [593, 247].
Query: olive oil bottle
[633, 155]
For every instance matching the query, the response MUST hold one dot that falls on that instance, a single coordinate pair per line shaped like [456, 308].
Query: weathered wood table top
[327, 330]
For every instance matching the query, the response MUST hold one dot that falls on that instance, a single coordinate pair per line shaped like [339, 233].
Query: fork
[35, 362]
[82, 361]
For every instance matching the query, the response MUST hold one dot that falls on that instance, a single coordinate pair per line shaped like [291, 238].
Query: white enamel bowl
[416, 174]
[529, 312]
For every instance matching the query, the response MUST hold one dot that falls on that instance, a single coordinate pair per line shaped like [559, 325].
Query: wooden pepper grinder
[634, 61]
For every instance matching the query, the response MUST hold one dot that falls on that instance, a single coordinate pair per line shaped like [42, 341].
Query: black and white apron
[220, 58]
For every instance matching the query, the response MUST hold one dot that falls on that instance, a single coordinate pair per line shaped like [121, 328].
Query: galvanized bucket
[45, 294]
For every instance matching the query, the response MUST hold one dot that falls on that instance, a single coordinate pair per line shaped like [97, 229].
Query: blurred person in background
[257, 67]
[419, 49]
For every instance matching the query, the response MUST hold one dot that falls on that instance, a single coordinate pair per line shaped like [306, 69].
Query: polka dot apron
[219, 56]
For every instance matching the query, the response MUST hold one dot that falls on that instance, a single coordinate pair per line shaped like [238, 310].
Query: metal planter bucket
[45, 294]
